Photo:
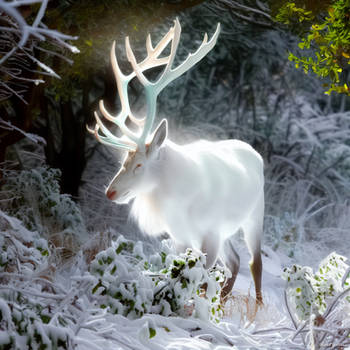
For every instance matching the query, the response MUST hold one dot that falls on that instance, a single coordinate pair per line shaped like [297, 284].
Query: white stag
[200, 193]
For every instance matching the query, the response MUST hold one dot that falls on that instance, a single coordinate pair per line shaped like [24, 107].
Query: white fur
[200, 188]
[200, 193]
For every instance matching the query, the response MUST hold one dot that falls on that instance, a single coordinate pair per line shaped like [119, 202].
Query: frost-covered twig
[35, 294]
[288, 309]
[335, 301]
[19, 39]
[7, 125]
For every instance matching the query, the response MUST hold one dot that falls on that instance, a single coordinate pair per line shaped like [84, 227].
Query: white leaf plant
[309, 292]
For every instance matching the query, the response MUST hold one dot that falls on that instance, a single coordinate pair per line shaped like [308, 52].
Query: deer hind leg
[232, 262]
[253, 228]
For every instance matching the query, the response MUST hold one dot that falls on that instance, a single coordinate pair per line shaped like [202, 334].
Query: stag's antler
[130, 140]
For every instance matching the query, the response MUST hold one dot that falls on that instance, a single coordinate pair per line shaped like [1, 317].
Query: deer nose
[111, 194]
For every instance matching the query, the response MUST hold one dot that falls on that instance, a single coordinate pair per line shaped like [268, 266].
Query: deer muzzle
[111, 194]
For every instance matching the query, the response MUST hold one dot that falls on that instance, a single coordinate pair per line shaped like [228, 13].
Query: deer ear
[159, 136]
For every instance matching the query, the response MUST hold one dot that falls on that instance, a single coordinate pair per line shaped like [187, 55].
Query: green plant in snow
[328, 35]
[24, 327]
[21, 250]
[131, 284]
[34, 197]
[24, 318]
[309, 292]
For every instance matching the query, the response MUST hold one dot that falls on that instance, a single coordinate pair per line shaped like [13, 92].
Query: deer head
[143, 145]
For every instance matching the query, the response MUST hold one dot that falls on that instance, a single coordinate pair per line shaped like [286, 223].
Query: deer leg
[253, 228]
[232, 262]
[181, 247]
[256, 271]
[210, 247]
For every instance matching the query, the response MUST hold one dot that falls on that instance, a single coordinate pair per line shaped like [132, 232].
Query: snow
[35, 282]
[87, 326]
[239, 329]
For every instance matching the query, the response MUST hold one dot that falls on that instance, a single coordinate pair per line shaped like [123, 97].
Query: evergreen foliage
[24, 317]
[33, 196]
[130, 284]
[325, 29]
[310, 292]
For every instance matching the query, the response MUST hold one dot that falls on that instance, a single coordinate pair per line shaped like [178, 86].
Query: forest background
[53, 173]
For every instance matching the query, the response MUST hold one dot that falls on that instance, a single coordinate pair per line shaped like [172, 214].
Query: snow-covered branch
[7, 125]
[19, 39]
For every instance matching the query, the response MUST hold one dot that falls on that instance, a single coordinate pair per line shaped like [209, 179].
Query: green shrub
[309, 292]
[34, 197]
[328, 35]
[130, 284]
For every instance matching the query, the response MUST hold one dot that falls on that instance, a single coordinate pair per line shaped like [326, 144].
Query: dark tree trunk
[19, 114]
[71, 157]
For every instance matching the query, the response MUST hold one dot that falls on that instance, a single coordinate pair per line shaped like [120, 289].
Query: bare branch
[19, 39]
[256, 15]
[8, 126]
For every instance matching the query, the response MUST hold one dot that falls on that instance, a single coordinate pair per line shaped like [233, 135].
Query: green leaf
[152, 332]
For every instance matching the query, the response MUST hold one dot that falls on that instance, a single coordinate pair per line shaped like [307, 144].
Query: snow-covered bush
[22, 35]
[310, 292]
[33, 196]
[24, 325]
[24, 318]
[129, 283]
[21, 250]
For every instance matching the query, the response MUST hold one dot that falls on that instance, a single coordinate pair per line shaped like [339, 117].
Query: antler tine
[107, 141]
[110, 139]
[122, 85]
[136, 67]
[173, 49]
[170, 74]
[151, 61]
[155, 52]
[152, 89]
[120, 121]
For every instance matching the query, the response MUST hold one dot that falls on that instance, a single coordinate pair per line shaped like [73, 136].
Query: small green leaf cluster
[290, 13]
[21, 250]
[131, 284]
[182, 286]
[118, 285]
[24, 318]
[24, 326]
[309, 291]
[328, 34]
[35, 199]
[30, 252]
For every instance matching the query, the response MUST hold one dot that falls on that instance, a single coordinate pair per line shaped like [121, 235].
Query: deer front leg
[181, 247]
[210, 246]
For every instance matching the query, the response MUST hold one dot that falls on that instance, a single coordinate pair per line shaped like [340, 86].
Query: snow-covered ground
[39, 299]
[49, 291]
[234, 331]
